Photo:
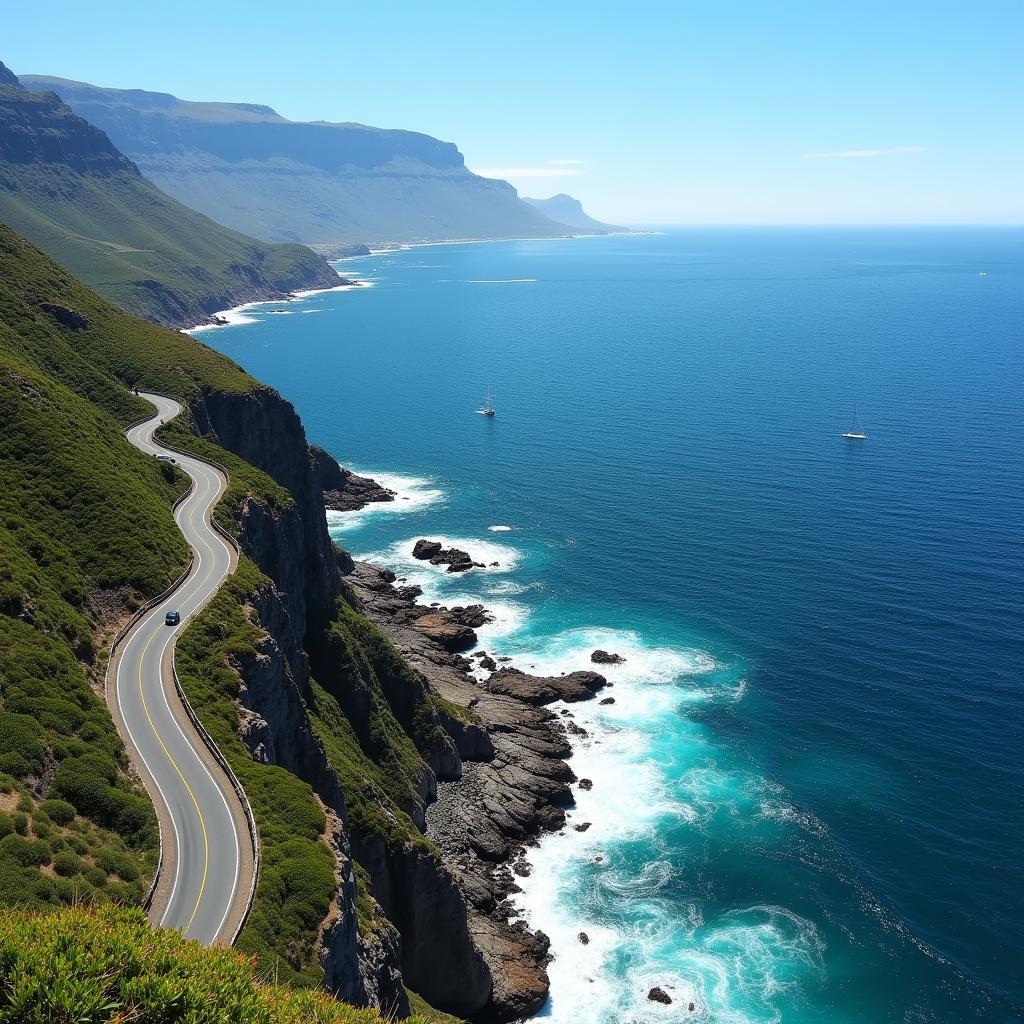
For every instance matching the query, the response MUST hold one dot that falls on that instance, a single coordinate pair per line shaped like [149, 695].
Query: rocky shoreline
[514, 785]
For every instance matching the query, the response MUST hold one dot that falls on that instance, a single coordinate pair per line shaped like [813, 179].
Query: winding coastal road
[207, 866]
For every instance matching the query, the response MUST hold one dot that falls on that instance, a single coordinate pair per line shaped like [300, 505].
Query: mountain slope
[64, 185]
[567, 210]
[315, 182]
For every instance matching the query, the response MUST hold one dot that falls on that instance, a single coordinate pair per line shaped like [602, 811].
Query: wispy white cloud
[527, 172]
[860, 154]
[568, 163]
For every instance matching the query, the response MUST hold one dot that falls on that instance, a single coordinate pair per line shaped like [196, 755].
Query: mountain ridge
[65, 185]
[316, 182]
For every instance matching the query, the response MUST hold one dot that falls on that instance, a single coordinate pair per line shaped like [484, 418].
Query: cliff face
[292, 547]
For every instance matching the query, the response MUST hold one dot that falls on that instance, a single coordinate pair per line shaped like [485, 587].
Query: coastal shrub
[116, 862]
[26, 852]
[20, 819]
[108, 965]
[88, 783]
[59, 811]
[67, 863]
[6, 824]
[21, 744]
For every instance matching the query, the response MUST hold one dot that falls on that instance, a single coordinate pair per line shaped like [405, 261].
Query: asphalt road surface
[207, 867]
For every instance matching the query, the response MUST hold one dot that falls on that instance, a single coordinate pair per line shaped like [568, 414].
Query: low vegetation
[108, 965]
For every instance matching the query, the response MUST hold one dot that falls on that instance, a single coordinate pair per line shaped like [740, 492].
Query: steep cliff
[66, 186]
[326, 697]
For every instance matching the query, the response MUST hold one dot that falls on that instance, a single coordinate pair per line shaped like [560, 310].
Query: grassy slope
[85, 511]
[119, 233]
[85, 533]
[109, 966]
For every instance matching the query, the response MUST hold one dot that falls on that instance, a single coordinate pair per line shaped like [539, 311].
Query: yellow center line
[145, 707]
[174, 764]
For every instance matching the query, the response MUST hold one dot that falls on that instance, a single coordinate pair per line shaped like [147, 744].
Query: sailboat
[855, 433]
[488, 409]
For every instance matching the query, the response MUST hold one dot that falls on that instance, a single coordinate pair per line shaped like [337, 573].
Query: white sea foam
[730, 969]
[253, 312]
[500, 529]
[508, 280]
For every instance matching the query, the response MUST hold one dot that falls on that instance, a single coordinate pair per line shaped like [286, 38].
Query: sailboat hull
[855, 437]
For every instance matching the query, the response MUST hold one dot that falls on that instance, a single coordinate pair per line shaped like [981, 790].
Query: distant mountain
[65, 186]
[566, 210]
[314, 182]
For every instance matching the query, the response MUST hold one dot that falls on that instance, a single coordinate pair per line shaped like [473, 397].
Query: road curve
[207, 866]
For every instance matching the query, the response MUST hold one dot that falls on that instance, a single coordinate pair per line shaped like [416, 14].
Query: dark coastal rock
[488, 663]
[600, 657]
[456, 559]
[426, 548]
[343, 490]
[659, 995]
[607, 700]
[445, 630]
[514, 786]
[474, 616]
[539, 690]
[586, 784]
[584, 938]
[583, 826]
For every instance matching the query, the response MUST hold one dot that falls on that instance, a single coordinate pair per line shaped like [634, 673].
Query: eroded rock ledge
[515, 782]
[345, 491]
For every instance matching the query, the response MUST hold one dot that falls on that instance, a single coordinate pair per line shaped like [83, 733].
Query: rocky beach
[513, 783]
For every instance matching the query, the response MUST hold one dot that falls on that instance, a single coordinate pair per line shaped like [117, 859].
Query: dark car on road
[172, 618]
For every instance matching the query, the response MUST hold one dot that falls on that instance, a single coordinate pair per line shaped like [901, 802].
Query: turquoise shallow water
[807, 800]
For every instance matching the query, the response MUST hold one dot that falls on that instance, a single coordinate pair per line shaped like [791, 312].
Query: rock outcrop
[573, 686]
[343, 490]
[456, 559]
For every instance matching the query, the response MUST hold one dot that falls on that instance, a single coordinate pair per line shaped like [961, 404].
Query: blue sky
[778, 111]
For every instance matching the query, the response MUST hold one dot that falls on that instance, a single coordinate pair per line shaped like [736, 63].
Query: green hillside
[65, 186]
[110, 966]
[86, 534]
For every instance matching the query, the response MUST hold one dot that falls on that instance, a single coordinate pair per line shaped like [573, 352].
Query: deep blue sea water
[808, 798]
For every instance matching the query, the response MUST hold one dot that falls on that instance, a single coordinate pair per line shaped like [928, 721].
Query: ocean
[807, 801]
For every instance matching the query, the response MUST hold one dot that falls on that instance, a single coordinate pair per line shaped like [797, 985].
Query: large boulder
[441, 627]
[426, 549]
[539, 690]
